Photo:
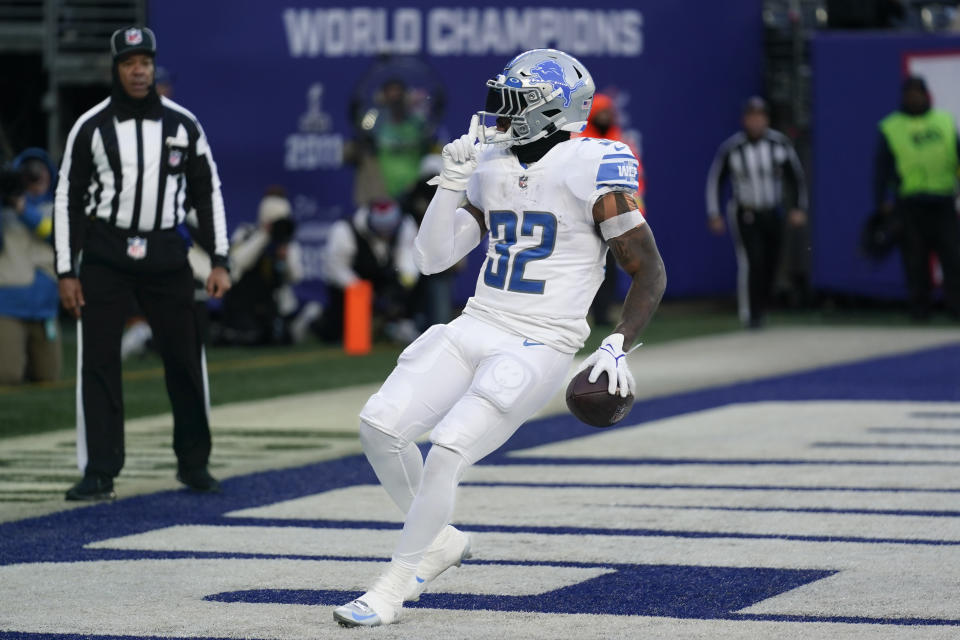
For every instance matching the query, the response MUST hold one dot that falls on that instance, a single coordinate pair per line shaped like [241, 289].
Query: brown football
[590, 402]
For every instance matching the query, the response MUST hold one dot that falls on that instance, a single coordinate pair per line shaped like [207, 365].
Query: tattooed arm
[618, 219]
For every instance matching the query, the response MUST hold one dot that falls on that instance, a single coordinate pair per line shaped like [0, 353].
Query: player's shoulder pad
[600, 165]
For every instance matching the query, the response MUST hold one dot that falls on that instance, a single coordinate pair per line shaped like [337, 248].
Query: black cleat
[199, 480]
[92, 487]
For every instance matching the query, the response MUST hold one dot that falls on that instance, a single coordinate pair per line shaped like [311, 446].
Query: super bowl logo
[133, 36]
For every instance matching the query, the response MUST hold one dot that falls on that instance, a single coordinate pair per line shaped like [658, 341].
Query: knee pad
[380, 417]
[373, 439]
[502, 381]
[380, 413]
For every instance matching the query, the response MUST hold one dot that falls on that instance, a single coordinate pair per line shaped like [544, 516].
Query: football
[590, 402]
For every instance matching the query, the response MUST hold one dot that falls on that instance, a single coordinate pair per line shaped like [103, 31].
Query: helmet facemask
[540, 91]
[506, 116]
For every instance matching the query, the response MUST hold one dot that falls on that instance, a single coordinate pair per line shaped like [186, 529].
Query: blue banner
[281, 92]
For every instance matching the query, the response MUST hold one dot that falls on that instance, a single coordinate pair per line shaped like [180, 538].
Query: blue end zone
[678, 591]
[630, 590]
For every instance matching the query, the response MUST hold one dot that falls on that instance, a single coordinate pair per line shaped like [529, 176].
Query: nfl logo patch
[137, 248]
[523, 182]
[175, 157]
[133, 36]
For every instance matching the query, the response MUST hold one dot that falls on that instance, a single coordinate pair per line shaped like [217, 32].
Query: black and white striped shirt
[757, 170]
[137, 173]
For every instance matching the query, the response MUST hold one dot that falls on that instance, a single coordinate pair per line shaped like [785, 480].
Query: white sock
[393, 584]
[432, 508]
[397, 463]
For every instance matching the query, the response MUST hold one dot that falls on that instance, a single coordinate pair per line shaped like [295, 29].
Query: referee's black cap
[132, 40]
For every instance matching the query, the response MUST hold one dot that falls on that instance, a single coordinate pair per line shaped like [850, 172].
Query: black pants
[166, 299]
[758, 237]
[930, 226]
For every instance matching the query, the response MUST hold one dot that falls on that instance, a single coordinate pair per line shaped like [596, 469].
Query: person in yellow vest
[917, 162]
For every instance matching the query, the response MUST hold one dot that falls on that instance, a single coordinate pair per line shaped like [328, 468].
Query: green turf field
[251, 373]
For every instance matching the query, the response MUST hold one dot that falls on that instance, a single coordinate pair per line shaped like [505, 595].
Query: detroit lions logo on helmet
[551, 72]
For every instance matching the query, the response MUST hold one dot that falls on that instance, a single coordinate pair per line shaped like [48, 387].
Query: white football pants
[471, 385]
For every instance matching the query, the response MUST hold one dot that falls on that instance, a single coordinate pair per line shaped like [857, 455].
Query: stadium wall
[856, 82]
[251, 71]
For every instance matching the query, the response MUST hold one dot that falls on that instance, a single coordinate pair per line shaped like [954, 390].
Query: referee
[130, 164]
[766, 177]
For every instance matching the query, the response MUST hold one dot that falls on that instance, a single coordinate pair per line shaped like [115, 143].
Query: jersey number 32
[503, 227]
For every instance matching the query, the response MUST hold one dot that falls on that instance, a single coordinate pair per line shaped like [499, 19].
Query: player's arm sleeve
[793, 174]
[719, 170]
[203, 191]
[447, 233]
[338, 256]
[70, 199]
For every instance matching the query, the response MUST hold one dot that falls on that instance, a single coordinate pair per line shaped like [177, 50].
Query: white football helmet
[539, 92]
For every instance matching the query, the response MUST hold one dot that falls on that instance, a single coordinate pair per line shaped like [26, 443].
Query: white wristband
[619, 225]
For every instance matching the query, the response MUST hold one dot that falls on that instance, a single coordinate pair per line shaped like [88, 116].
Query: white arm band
[619, 225]
[447, 233]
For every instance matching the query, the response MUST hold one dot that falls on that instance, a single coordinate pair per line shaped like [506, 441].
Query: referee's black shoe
[198, 479]
[93, 486]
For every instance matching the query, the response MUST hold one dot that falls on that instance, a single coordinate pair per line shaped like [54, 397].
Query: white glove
[610, 358]
[459, 159]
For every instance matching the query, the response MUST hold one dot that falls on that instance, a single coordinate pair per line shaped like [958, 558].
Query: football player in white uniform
[552, 207]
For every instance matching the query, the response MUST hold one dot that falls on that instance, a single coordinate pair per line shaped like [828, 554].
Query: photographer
[374, 244]
[29, 335]
[267, 263]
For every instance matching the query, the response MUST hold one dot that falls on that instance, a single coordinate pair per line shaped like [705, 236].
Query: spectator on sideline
[29, 332]
[917, 160]
[766, 177]
[434, 292]
[124, 216]
[266, 263]
[375, 244]
[401, 140]
[393, 140]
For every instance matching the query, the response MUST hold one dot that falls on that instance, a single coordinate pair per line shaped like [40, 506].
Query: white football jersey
[545, 259]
